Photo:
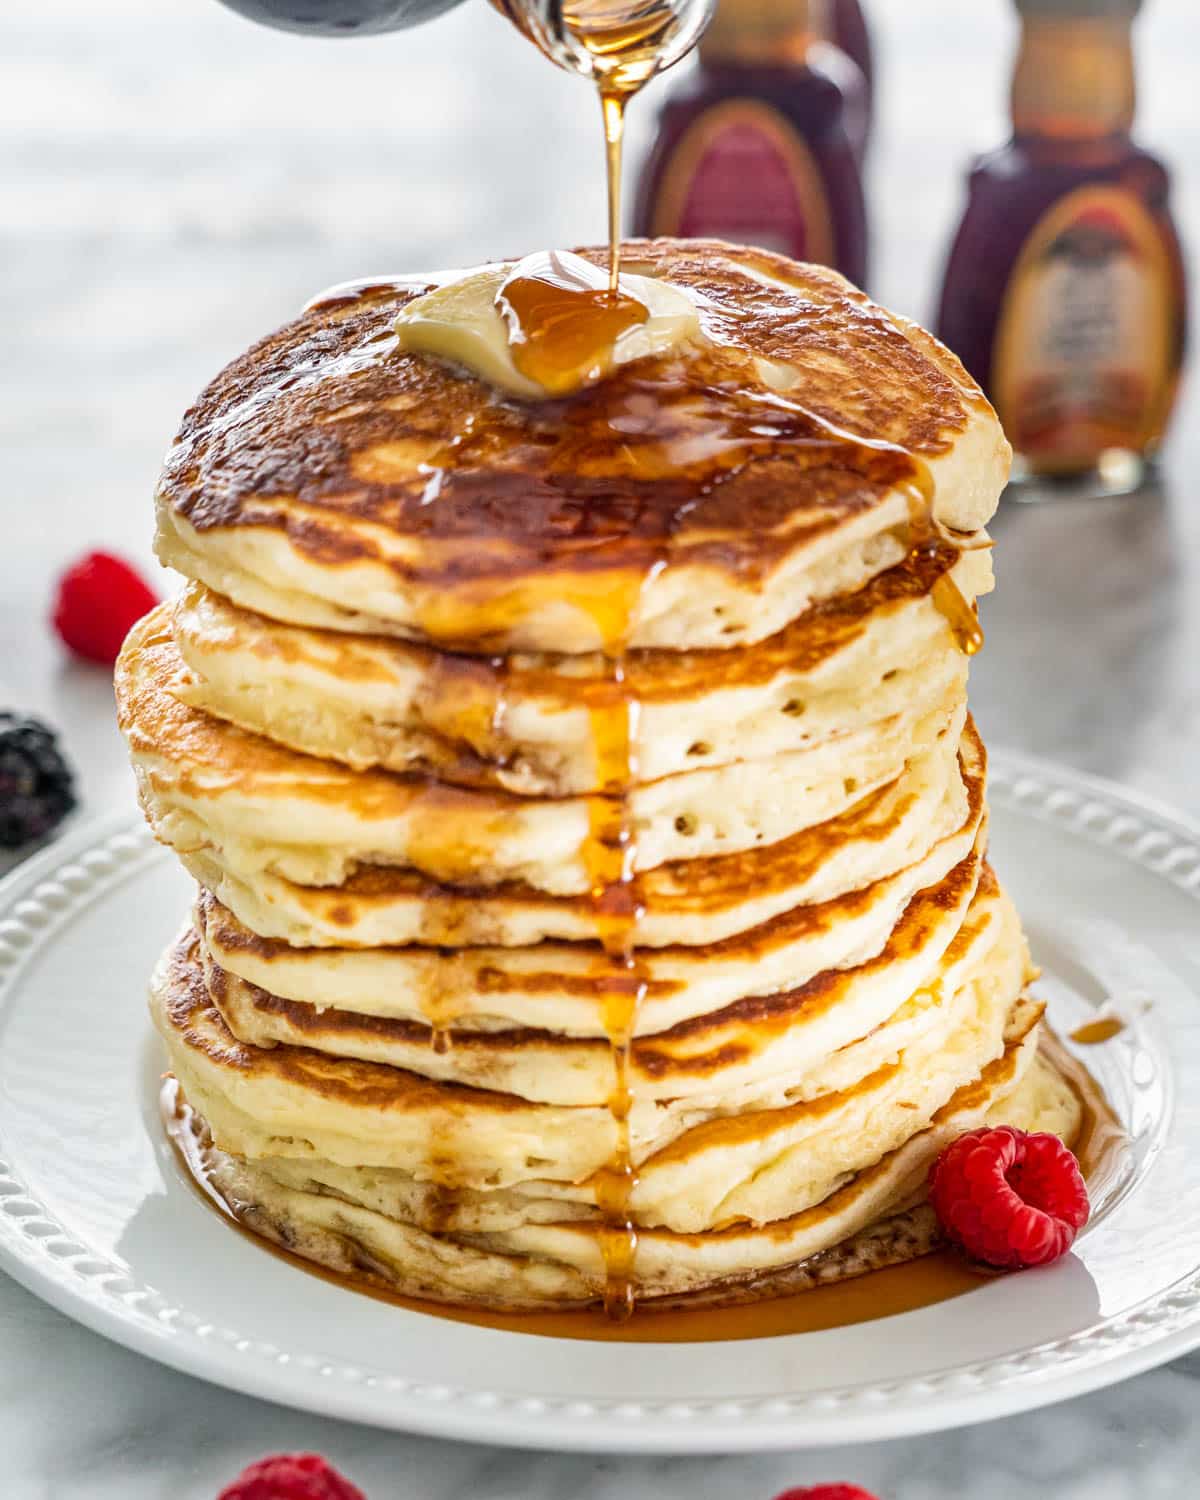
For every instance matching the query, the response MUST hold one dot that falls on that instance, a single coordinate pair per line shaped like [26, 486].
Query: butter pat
[475, 322]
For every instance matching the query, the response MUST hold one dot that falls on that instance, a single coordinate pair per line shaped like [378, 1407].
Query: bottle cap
[1080, 10]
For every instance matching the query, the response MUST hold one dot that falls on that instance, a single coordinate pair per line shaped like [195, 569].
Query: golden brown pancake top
[325, 423]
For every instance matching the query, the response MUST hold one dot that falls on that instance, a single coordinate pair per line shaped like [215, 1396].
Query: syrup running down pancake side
[924, 539]
[611, 858]
[562, 331]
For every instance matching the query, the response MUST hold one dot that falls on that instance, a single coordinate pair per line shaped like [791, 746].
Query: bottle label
[1084, 346]
[741, 172]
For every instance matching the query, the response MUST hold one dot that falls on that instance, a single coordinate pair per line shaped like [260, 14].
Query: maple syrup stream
[923, 537]
[612, 108]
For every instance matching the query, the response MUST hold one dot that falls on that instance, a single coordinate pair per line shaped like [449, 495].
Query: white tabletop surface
[174, 182]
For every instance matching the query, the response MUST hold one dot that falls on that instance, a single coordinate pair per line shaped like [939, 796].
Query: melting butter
[547, 325]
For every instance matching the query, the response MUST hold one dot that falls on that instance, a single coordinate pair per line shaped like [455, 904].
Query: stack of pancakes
[589, 830]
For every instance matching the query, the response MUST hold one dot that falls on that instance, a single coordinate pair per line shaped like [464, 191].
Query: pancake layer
[205, 782]
[524, 723]
[326, 479]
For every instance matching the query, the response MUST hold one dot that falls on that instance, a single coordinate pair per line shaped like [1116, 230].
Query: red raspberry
[291, 1476]
[827, 1492]
[98, 602]
[1009, 1199]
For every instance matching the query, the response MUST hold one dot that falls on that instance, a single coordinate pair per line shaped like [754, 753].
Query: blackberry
[37, 788]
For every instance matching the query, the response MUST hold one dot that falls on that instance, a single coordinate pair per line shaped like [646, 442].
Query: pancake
[205, 782]
[781, 1033]
[702, 499]
[554, 986]
[526, 723]
[874, 1219]
[690, 902]
[742, 1167]
[288, 1100]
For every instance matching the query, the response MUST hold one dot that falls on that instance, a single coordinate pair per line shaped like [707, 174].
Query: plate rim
[41, 1255]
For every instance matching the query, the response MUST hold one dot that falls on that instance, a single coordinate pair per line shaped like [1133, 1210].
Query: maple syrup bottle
[1064, 294]
[760, 145]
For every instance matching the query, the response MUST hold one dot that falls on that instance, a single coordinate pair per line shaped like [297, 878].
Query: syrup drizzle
[1102, 1029]
[610, 856]
[949, 599]
[924, 537]
[562, 332]
[439, 1007]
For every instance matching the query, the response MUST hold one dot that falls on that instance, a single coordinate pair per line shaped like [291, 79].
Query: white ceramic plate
[95, 1218]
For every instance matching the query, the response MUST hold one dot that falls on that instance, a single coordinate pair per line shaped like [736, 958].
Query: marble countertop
[175, 182]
